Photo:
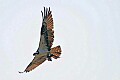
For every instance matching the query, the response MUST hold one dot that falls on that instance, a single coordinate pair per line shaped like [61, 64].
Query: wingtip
[49, 8]
[21, 72]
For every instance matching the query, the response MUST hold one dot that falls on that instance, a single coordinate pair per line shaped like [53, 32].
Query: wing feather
[47, 33]
[39, 59]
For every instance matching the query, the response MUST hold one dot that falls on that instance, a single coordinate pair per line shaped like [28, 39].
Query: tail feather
[56, 52]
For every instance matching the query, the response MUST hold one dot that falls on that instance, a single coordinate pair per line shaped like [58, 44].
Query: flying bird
[44, 51]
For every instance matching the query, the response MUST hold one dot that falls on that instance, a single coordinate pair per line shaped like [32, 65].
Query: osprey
[44, 51]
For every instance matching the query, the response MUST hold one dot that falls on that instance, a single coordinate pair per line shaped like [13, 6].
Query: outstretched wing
[38, 59]
[47, 33]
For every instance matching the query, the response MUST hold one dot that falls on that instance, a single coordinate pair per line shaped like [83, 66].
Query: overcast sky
[87, 30]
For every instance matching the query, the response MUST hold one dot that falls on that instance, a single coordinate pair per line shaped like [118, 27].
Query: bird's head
[36, 53]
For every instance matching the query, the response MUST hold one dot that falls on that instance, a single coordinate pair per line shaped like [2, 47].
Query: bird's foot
[49, 59]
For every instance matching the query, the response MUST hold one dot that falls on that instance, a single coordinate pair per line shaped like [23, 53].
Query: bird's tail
[56, 52]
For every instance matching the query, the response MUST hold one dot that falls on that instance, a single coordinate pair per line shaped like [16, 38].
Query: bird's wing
[39, 59]
[47, 33]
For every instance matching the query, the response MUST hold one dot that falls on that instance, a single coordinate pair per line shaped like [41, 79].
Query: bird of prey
[44, 51]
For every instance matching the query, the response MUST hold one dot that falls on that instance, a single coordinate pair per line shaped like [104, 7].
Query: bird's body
[44, 51]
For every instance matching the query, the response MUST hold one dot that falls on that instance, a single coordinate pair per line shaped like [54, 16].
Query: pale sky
[87, 30]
